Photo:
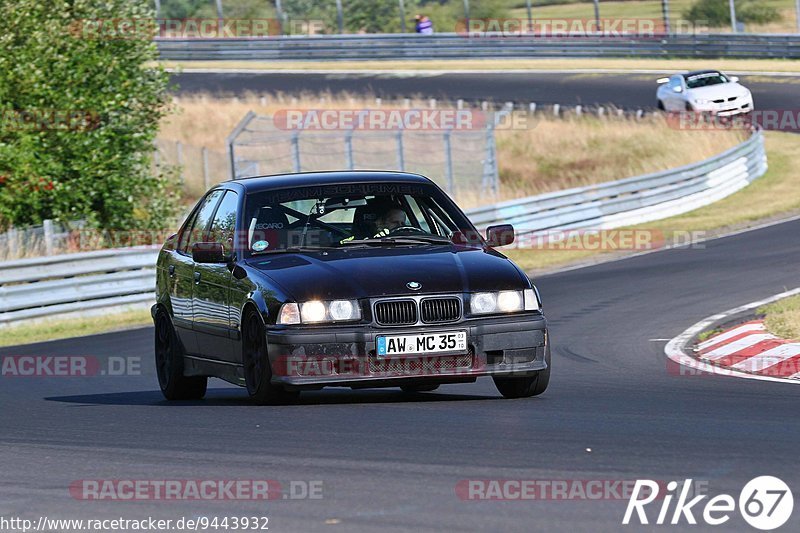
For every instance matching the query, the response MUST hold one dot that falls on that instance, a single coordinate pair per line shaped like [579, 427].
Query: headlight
[482, 303]
[316, 312]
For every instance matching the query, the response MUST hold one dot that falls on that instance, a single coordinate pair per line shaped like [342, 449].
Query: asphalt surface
[390, 462]
[635, 91]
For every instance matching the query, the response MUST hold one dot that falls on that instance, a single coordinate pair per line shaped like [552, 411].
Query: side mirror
[678, 89]
[501, 235]
[734, 79]
[208, 252]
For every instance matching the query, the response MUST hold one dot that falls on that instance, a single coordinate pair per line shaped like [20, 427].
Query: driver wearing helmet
[382, 217]
[392, 218]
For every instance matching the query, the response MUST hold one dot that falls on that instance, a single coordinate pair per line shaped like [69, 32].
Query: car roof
[697, 72]
[305, 179]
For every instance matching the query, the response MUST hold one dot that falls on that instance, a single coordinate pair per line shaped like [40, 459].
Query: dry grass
[539, 154]
[772, 196]
[41, 331]
[564, 153]
[783, 317]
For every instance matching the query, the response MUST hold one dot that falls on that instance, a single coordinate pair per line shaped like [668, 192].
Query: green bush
[96, 167]
[717, 13]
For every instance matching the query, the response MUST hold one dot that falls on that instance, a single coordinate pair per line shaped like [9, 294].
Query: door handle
[197, 277]
[171, 271]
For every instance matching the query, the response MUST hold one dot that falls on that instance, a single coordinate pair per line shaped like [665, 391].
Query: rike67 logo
[765, 502]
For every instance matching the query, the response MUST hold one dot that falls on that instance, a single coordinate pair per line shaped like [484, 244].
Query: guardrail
[634, 200]
[108, 279]
[76, 283]
[456, 46]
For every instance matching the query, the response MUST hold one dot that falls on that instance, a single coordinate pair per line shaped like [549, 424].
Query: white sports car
[704, 91]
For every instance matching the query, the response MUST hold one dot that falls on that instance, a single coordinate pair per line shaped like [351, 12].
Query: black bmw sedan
[357, 279]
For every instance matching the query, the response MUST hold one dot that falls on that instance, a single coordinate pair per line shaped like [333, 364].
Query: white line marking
[675, 348]
[736, 346]
[730, 334]
[769, 358]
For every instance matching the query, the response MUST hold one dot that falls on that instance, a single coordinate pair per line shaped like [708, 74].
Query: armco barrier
[71, 283]
[455, 46]
[108, 279]
[633, 200]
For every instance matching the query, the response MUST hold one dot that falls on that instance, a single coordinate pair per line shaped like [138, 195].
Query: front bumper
[739, 106]
[346, 356]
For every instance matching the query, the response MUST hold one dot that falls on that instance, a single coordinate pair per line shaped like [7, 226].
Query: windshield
[705, 79]
[337, 216]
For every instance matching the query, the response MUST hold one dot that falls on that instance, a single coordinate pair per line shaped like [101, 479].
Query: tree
[80, 104]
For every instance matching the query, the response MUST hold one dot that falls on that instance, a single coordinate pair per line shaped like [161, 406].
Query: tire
[257, 369]
[419, 388]
[169, 364]
[525, 387]
[661, 106]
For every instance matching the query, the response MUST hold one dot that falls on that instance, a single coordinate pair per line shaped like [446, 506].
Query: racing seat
[269, 230]
[364, 219]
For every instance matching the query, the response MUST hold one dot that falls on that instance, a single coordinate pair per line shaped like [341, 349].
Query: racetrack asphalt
[628, 91]
[391, 462]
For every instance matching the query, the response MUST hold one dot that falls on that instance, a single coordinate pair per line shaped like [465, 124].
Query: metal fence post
[339, 16]
[296, 151]
[491, 174]
[466, 14]
[49, 245]
[206, 180]
[348, 149]
[279, 16]
[403, 16]
[179, 156]
[230, 141]
[448, 158]
[401, 159]
[733, 15]
[597, 12]
[665, 14]
[158, 8]
[219, 9]
[13, 248]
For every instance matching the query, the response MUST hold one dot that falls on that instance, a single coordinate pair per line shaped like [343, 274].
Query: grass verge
[782, 318]
[33, 332]
[771, 197]
[560, 64]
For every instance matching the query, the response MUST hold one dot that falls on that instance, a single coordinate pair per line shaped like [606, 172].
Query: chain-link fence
[459, 161]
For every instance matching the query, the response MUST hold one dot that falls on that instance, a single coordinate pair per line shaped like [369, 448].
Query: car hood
[375, 272]
[722, 90]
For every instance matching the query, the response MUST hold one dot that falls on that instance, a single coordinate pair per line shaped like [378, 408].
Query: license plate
[426, 343]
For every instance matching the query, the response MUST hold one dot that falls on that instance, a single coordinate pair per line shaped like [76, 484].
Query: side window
[183, 243]
[195, 233]
[224, 224]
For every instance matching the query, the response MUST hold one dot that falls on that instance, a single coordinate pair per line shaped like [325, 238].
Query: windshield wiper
[404, 239]
[293, 249]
